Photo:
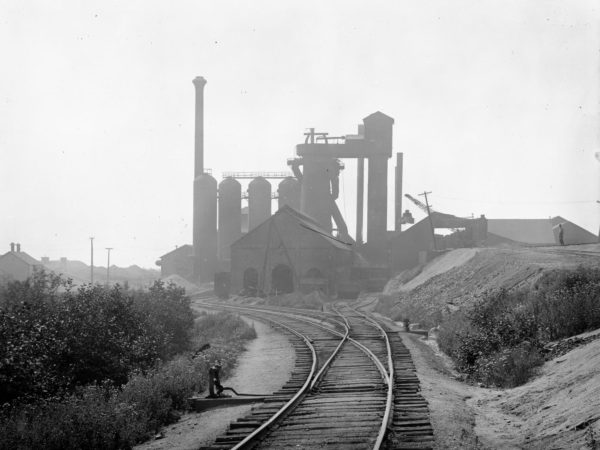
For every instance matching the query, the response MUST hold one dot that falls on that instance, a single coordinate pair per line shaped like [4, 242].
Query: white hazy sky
[496, 107]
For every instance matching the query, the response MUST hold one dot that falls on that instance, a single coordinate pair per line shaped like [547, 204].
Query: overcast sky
[496, 108]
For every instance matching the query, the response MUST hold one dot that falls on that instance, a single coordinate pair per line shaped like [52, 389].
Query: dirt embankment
[558, 409]
[457, 278]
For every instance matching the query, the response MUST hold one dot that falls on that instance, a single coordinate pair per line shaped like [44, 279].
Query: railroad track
[341, 393]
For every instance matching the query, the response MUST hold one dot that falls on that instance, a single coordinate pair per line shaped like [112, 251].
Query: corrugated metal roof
[304, 221]
[526, 231]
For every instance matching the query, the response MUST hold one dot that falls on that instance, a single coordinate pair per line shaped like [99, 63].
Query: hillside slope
[458, 277]
[560, 408]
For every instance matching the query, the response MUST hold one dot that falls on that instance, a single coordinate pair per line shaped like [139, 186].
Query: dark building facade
[287, 252]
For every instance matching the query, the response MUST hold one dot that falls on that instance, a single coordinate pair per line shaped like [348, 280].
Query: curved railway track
[341, 392]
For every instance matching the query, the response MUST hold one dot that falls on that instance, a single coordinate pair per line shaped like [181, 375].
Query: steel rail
[292, 402]
[390, 397]
[326, 364]
[387, 378]
[366, 350]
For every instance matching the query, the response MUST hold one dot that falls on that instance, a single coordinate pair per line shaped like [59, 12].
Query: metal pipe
[360, 195]
[398, 194]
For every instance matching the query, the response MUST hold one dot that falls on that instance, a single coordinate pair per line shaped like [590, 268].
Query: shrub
[567, 302]
[168, 317]
[114, 389]
[89, 418]
[55, 339]
[181, 378]
[499, 339]
[509, 367]
[145, 394]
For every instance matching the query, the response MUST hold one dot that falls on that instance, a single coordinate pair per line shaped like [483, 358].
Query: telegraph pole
[108, 249]
[597, 155]
[92, 260]
[430, 219]
[598, 201]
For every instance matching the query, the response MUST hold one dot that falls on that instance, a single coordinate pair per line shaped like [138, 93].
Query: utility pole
[92, 260]
[598, 201]
[597, 155]
[108, 249]
[430, 219]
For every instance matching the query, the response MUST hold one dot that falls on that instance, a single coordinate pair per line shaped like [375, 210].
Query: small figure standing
[561, 234]
[214, 380]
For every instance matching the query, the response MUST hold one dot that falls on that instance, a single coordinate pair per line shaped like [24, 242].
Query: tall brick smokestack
[199, 83]
[205, 200]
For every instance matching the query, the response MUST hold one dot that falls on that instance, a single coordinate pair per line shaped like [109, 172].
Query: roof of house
[306, 222]
[187, 247]
[24, 257]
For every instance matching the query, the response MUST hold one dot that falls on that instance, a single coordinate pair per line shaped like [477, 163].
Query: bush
[146, 396]
[101, 415]
[168, 317]
[93, 417]
[509, 367]
[55, 339]
[498, 341]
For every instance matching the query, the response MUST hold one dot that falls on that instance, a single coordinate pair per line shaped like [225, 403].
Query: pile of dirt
[459, 277]
[410, 279]
[190, 288]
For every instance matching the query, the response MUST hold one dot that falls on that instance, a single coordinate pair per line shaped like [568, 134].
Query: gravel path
[264, 367]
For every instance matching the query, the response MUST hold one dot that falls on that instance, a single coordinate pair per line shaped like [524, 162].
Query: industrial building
[311, 190]
[306, 243]
[290, 251]
[177, 262]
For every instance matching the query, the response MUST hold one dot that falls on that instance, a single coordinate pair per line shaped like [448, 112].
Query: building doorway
[250, 283]
[282, 279]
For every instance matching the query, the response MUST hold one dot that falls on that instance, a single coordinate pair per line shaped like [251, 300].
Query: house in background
[18, 265]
